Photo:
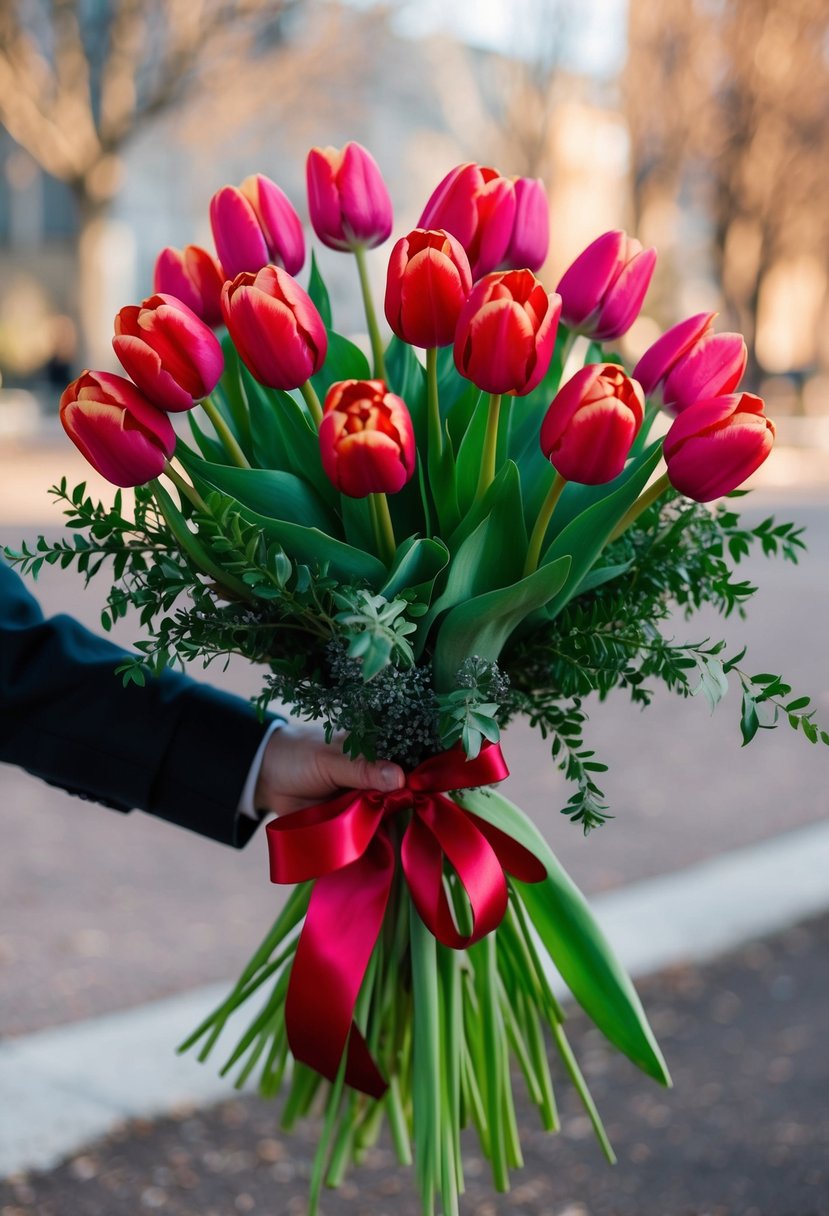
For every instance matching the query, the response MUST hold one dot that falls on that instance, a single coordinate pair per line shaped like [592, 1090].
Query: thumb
[362, 774]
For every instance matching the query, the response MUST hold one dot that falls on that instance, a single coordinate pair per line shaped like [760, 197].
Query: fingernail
[390, 777]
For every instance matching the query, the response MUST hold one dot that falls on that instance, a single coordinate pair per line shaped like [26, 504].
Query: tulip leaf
[501, 502]
[603, 574]
[584, 538]
[230, 393]
[470, 453]
[285, 438]
[452, 386]
[344, 361]
[269, 492]
[319, 293]
[416, 565]
[482, 625]
[209, 447]
[574, 941]
[315, 548]
[358, 528]
[406, 376]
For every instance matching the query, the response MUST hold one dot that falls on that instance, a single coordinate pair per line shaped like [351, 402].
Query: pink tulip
[689, 363]
[366, 439]
[714, 445]
[500, 221]
[193, 276]
[427, 284]
[122, 435]
[275, 327]
[255, 225]
[591, 424]
[602, 291]
[347, 197]
[506, 332]
[173, 357]
[530, 239]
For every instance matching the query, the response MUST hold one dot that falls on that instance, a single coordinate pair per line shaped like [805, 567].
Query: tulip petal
[624, 300]
[667, 350]
[583, 285]
[712, 368]
[364, 199]
[238, 236]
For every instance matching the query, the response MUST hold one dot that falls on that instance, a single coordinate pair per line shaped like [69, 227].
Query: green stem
[488, 455]
[312, 401]
[383, 527]
[193, 547]
[642, 503]
[224, 432]
[542, 523]
[189, 491]
[434, 426]
[371, 316]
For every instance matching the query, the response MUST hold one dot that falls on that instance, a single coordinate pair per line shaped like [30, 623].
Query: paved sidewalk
[744, 1132]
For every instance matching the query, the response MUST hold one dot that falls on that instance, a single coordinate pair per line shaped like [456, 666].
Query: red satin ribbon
[344, 844]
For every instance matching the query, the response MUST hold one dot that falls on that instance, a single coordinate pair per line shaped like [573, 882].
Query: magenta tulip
[500, 221]
[689, 363]
[714, 445]
[173, 357]
[193, 276]
[255, 225]
[602, 291]
[275, 327]
[591, 424]
[122, 435]
[506, 332]
[530, 239]
[427, 284]
[366, 439]
[347, 197]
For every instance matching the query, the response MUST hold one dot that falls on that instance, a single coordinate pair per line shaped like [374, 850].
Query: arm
[175, 748]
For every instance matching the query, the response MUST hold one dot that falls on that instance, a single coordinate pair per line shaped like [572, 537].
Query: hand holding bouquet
[474, 525]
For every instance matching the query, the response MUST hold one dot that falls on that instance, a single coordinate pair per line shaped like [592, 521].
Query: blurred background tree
[727, 103]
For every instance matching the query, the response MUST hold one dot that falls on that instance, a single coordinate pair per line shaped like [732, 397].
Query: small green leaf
[319, 293]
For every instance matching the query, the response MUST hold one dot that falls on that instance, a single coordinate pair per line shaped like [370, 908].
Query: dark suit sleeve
[175, 748]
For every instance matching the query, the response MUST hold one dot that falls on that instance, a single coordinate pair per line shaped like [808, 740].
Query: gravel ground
[745, 1131]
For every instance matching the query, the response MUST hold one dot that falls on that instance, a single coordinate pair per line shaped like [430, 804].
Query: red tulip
[689, 363]
[254, 225]
[193, 276]
[347, 197]
[275, 327]
[366, 439]
[427, 284]
[602, 291]
[122, 435]
[500, 221]
[714, 445]
[173, 357]
[506, 332]
[589, 428]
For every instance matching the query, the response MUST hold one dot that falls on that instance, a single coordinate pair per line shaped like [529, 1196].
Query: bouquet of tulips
[418, 547]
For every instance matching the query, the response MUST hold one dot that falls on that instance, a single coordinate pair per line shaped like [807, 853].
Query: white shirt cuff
[246, 804]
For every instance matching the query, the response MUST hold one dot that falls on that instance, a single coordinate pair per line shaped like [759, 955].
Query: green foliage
[468, 714]
[376, 628]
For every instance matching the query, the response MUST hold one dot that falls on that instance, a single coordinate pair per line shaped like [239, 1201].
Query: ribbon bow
[344, 844]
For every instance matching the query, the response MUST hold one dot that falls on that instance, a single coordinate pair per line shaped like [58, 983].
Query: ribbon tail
[343, 922]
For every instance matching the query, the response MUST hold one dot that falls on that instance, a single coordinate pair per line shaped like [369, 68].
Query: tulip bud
[530, 239]
[500, 221]
[366, 439]
[506, 332]
[122, 435]
[689, 363]
[594, 418]
[714, 445]
[193, 276]
[427, 284]
[602, 291]
[254, 225]
[173, 357]
[347, 197]
[275, 327]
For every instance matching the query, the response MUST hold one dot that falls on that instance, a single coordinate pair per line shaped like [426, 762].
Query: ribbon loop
[344, 844]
